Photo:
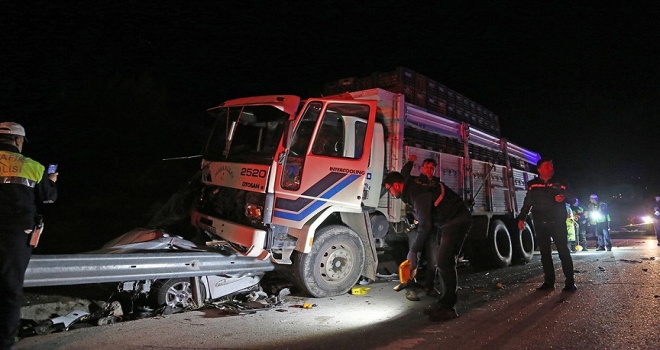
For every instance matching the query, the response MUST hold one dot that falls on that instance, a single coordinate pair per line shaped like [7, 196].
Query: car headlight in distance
[647, 219]
[253, 211]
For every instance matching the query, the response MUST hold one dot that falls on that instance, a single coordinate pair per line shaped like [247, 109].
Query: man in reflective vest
[599, 215]
[23, 186]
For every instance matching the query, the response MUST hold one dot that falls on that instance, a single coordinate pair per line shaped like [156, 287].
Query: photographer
[23, 185]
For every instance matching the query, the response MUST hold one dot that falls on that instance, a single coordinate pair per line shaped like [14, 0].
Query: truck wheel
[523, 244]
[333, 266]
[499, 244]
[174, 292]
[379, 226]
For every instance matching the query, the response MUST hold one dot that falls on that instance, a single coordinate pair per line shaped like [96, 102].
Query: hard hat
[12, 128]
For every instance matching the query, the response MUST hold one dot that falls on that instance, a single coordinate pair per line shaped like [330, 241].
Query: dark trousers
[15, 252]
[656, 227]
[556, 231]
[452, 238]
[429, 255]
[582, 235]
[603, 235]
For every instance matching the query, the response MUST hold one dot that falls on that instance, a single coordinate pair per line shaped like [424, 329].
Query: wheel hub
[336, 265]
[179, 295]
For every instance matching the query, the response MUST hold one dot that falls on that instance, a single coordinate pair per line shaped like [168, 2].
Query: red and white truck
[299, 183]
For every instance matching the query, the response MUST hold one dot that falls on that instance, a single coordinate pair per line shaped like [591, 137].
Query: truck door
[326, 161]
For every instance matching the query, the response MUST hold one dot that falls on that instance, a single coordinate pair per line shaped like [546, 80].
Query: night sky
[107, 89]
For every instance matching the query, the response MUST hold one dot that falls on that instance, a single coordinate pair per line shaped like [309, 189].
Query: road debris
[304, 306]
[631, 261]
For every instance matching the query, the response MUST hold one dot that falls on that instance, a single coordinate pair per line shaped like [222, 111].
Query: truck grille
[224, 203]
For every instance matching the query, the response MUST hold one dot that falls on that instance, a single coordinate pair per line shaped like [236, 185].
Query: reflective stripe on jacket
[23, 186]
[15, 165]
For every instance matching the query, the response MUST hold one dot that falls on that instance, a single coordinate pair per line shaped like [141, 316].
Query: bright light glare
[647, 220]
[596, 215]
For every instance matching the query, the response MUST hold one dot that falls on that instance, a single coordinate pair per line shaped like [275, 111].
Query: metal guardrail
[59, 270]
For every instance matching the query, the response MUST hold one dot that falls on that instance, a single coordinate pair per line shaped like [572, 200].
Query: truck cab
[287, 181]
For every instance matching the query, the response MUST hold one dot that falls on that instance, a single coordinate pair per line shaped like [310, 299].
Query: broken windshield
[246, 134]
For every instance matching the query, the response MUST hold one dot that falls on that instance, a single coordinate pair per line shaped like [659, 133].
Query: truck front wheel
[333, 266]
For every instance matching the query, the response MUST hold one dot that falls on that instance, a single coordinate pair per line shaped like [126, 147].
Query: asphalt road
[616, 307]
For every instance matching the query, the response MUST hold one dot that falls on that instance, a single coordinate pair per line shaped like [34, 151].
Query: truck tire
[174, 292]
[523, 245]
[333, 266]
[495, 251]
[498, 245]
[379, 226]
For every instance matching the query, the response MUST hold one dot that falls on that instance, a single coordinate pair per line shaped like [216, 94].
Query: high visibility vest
[570, 224]
[18, 169]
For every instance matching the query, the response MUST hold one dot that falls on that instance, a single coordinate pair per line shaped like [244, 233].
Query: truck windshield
[246, 134]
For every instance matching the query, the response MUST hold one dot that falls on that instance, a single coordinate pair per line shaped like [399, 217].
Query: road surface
[616, 307]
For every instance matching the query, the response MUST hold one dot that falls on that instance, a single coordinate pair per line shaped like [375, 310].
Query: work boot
[431, 292]
[411, 294]
[440, 314]
[546, 286]
[600, 249]
[571, 287]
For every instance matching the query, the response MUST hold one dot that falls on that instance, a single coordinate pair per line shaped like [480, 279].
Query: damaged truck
[299, 183]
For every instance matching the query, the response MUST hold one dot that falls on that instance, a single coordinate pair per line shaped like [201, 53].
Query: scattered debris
[651, 258]
[390, 277]
[630, 261]
[645, 270]
[499, 285]
[71, 318]
[304, 306]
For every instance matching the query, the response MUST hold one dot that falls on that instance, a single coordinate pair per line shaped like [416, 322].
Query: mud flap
[361, 224]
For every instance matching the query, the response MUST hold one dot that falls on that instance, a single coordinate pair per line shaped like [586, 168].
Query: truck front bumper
[254, 240]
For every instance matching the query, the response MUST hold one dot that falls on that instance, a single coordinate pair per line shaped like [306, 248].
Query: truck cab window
[301, 137]
[342, 131]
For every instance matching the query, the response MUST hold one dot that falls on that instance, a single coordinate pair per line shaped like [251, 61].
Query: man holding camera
[24, 185]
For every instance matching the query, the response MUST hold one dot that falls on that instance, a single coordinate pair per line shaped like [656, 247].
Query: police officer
[23, 185]
[547, 197]
[655, 214]
[599, 215]
[580, 218]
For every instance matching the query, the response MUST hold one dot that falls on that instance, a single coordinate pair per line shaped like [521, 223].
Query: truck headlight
[647, 219]
[253, 211]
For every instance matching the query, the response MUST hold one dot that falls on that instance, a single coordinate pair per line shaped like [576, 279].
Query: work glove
[412, 258]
